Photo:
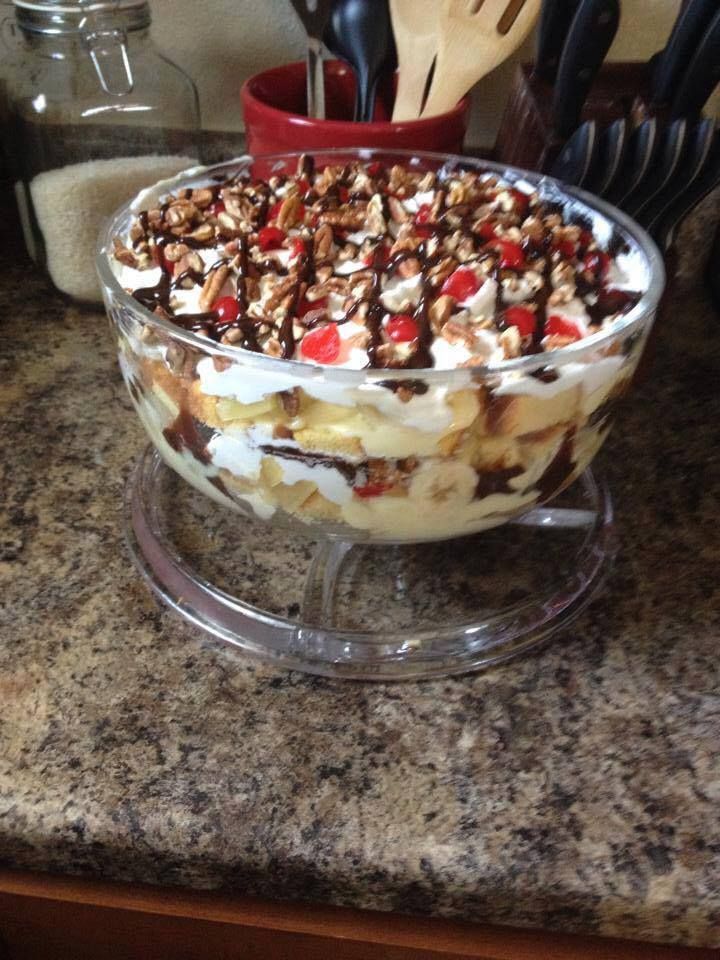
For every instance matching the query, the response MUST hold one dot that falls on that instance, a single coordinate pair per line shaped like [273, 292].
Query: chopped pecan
[438, 274]
[511, 342]
[232, 335]
[360, 340]
[323, 242]
[229, 225]
[562, 273]
[323, 274]
[202, 197]
[409, 268]
[347, 219]
[348, 252]
[455, 332]
[338, 285]
[213, 285]
[397, 181]
[397, 210]
[136, 232]
[280, 292]
[289, 212]
[533, 227]
[374, 216]
[224, 363]
[440, 313]
[562, 294]
[273, 347]
[180, 213]
[203, 233]
[189, 261]
[123, 254]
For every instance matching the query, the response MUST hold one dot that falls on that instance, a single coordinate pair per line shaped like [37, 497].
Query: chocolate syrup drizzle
[600, 303]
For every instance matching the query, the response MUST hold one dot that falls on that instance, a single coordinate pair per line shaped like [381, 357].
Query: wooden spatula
[475, 36]
[415, 25]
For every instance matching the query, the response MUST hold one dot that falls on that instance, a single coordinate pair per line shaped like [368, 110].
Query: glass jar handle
[108, 52]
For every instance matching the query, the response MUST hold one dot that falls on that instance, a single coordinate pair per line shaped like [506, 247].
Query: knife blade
[700, 141]
[591, 33]
[555, 19]
[701, 76]
[610, 152]
[638, 157]
[683, 40]
[664, 232]
[575, 159]
[669, 155]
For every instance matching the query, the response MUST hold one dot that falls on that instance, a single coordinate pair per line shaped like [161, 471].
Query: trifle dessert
[375, 347]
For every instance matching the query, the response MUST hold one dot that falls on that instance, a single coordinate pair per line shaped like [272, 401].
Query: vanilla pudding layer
[363, 463]
[404, 457]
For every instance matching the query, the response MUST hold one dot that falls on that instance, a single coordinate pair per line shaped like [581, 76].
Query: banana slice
[440, 482]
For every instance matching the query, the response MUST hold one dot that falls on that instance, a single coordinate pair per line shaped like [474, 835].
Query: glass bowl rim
[634, 318]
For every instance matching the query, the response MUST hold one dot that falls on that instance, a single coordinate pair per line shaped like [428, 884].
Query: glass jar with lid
[96, 112]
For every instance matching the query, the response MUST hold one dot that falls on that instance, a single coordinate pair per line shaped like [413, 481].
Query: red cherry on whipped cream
[486, 230]
[511, 254]
[522, 318]
[217, 208]
[566, 247]
[305, 306]
[522, 201]
[462, 284]
[227, 309]
[270, 238]
[562, 327]
[297, 248]
[402, 328]
[597, 264]
[371, 490]
[322, 344]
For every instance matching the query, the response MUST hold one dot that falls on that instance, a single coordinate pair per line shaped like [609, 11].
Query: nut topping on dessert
[361, 265]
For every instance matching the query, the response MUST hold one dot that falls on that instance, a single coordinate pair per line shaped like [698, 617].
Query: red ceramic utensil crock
[275, 122]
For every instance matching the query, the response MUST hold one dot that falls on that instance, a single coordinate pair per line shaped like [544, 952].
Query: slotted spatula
[415, 25]
[474, 37]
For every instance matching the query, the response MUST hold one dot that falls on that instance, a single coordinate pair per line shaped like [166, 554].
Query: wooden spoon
[415, 25]
[475, 36]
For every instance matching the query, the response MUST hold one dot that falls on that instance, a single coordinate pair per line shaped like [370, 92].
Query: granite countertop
[578, 788]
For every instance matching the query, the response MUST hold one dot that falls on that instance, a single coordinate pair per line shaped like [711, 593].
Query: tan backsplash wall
[220, 42]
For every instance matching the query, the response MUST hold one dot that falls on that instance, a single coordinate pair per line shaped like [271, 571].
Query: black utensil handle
[555, 19]
[682, 42]
[670, 155]
[702, 76]
[592, 31]
[571, 166]
[687, 201]
[696, 156]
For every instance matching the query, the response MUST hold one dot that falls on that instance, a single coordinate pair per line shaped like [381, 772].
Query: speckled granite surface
[577, 789]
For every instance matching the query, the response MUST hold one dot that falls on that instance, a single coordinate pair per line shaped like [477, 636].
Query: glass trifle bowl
[345, 356]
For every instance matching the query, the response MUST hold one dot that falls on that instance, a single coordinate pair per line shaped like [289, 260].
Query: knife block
[526, 137]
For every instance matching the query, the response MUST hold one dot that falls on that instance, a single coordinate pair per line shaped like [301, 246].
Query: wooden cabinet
[56, 918]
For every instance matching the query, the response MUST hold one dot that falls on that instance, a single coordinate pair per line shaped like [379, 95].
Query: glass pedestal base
[368, 612]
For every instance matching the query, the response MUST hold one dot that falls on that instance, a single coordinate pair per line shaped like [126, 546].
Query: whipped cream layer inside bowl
[390, 347]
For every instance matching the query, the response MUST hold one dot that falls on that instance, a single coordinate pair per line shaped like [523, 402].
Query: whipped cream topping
[364, 265]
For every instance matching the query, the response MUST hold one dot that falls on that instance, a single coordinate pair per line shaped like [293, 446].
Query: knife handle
[592, 31]
[555, 19]
[701, 76]
[683, 41]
